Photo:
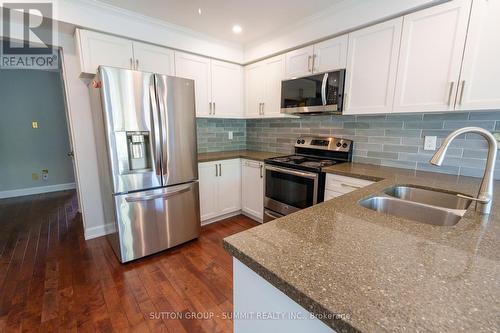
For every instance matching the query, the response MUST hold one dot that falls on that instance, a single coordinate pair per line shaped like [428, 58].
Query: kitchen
[324, 136]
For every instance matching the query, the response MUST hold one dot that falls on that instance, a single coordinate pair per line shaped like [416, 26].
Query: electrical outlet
[230, 135]
[45, 174]
[430, 142]
[34, 176]
[497, 136]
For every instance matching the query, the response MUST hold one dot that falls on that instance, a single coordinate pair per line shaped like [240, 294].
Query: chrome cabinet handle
[314, 63]
[260, 167]
[309, 67]
[461, 93]
[452, 84]
[351, 186]
[260, 109]
[209, 107]
[136, 63]
[131, 63]
[263, 106]
[220, 170]
[213, 103]
[216, 171]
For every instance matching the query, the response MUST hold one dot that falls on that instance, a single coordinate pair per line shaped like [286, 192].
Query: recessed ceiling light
[237, 29]
[199, 11]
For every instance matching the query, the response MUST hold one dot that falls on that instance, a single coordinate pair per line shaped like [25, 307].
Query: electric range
[297, 181]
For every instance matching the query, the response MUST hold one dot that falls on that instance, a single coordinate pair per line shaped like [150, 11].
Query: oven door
[288, 190]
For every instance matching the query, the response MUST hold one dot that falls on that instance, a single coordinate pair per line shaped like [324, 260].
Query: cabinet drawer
[344, 184]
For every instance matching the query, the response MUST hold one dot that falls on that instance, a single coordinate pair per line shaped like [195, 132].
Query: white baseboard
[221, 217]
[36, 190]
[101, 230]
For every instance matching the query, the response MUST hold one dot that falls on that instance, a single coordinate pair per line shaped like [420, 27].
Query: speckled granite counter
[227, 155]
[388, 274]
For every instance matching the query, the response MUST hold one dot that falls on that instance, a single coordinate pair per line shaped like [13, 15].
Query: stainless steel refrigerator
[145, 131]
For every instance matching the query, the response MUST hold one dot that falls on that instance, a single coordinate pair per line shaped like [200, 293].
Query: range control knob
[339, 144]
[302, 141]
[298, 141]
[344, 145]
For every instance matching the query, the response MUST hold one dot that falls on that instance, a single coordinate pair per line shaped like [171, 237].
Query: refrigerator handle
[170, 192]
[161, 91]
[155, 129]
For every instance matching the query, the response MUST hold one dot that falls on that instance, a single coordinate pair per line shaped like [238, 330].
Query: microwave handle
[323, 88]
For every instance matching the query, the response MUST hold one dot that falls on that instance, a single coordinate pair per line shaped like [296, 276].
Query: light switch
[430, 142]
[34, 176]
[34, 124]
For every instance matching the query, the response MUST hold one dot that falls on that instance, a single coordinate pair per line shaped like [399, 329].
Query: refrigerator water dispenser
[138, 151]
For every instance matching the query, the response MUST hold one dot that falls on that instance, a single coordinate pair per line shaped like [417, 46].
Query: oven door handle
[271, 215]
[293, 172]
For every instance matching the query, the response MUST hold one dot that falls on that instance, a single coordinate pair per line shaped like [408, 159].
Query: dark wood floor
[51, 279]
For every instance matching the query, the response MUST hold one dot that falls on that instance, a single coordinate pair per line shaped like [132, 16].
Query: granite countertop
[386, 273]
[227, 155]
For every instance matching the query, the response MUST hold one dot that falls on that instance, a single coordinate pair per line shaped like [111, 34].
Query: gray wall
[213, 134]
[27, 95]
[389, 140]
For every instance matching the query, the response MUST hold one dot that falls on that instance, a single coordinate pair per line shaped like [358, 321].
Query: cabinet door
[97, 49]
[480, 78]
[252, 191]
[229, 186]
[299, 62]
[198, 69]
[227, 89]
[330, 54]
[274, 74]
[432, 45]
[154, 59]
[372, 59]
[254, 89]
[208, 187]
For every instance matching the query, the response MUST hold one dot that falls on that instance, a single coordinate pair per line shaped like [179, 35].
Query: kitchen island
[362, 271]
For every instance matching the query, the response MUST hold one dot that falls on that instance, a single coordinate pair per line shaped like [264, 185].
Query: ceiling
[258, 18]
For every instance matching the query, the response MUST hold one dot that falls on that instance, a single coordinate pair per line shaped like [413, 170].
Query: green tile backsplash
[389, 140]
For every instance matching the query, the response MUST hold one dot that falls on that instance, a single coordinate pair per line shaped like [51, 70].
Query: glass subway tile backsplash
[389, 140]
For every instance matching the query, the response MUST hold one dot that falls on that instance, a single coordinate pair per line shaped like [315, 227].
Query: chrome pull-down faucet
[485, 196]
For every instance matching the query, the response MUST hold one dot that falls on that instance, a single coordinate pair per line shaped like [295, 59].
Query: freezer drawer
[155, 220]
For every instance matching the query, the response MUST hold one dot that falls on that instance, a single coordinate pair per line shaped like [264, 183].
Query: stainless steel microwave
[318, 93]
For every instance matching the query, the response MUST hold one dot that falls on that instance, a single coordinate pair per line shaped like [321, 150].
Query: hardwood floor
[51, 279]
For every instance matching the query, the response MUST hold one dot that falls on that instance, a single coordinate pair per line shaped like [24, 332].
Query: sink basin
[428, 197]
[412, 211]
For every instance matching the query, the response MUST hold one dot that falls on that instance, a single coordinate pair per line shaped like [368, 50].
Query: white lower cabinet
[252, 188]
[337, 185]
[220, 188]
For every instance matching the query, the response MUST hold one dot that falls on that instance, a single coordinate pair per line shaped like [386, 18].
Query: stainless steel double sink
[429, 206]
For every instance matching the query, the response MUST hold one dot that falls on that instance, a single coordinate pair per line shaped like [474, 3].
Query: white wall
[346, 15]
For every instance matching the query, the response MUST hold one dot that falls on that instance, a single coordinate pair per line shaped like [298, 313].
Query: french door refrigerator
[145, 130]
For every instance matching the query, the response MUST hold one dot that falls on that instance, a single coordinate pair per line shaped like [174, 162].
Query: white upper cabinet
[196, 68]
[480, 77]
[432, 45]
[227, 89]
[330, 54]
[372, 60]
[254, 89]
[154, 59]
[299, 62]
[97, 49]
[263, 88]
[321, 57]
[274, 69]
